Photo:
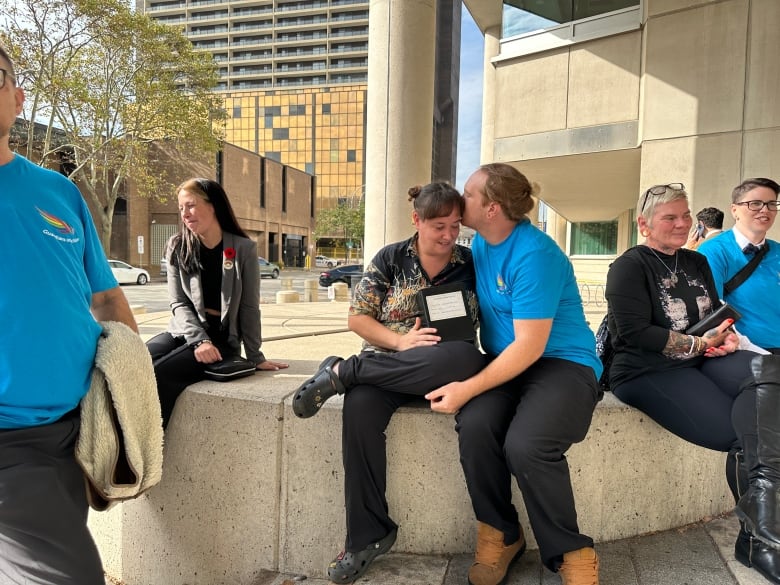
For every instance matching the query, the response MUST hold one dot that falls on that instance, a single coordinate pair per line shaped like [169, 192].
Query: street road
[154, 296]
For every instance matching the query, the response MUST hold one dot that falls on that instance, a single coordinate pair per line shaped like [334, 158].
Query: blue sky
[470, 102]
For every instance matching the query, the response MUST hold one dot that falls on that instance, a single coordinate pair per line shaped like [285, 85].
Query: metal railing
[592, 294]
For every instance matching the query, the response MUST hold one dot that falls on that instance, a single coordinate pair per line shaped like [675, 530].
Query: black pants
[43, 508]
[377, 385]
[175, 368]
[523, 429]
[703, 405]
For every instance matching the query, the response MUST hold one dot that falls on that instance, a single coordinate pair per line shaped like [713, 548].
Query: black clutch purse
[230, 369]
[724, 312]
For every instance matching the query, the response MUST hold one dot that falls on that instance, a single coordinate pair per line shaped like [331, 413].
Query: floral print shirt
[391, 281]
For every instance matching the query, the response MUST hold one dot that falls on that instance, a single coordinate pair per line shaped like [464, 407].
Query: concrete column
[401, 63]
[492, 48]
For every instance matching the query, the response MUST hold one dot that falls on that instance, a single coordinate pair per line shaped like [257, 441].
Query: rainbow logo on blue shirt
[55, 222]
[500, 285]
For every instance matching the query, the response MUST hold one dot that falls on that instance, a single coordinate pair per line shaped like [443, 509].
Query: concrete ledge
[248, 486]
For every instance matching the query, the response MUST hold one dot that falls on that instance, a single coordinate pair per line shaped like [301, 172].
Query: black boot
[759, 507]
[753, 553]
[749, 551]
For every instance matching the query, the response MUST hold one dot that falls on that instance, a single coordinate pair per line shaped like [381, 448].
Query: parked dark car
[340, 274]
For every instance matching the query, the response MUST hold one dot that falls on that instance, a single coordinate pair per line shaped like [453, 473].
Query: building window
[262, 184]
[594, 238]
[281, 133]
[274, 155]
[525, 16]
[326, 108]
[309, 168]
[533, 26]
[236, 111]
[351, 156]
[284, 190]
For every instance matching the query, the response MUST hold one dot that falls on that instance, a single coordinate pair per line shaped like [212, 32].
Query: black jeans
[523, 429]
[377, 385]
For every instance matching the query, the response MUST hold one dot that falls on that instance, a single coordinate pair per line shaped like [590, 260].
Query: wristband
[693, 344]
[197, 344]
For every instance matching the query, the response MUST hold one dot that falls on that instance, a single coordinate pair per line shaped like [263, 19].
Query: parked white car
[126, 274]
[325, 262]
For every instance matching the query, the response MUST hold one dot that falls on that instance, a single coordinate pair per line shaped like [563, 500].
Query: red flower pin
[230, 253]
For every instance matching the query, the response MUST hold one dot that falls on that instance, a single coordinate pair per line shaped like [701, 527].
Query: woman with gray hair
[700, 387]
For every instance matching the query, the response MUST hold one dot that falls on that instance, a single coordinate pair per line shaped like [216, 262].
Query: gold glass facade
[317, 130]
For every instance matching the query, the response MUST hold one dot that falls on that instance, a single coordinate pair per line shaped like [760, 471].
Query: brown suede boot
[493, 556]
[580, 567]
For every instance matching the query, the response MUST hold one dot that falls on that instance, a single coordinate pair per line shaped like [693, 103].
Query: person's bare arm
[112, 305]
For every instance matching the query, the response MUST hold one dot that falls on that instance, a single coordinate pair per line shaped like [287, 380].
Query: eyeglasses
[5, 74]
[758, 205]
[657, 190]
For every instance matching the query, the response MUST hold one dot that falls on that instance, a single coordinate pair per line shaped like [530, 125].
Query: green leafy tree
[346, 220]
[106, 82]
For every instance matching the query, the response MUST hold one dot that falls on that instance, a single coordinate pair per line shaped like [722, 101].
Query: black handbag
[605, 351]
[230, 368]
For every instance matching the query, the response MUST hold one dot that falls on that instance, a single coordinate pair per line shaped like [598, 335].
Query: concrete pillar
[287, 296]
[401, 64]
[310, 290]
[492, 48]
[340, 291]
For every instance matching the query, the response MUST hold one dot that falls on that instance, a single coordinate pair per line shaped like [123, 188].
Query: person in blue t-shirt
[57, 285]
[519, 415]
[754, 207]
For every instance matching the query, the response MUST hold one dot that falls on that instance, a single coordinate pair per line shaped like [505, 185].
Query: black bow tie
[751, 249]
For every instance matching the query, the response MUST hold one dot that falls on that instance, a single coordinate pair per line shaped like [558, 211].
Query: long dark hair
[186, 245]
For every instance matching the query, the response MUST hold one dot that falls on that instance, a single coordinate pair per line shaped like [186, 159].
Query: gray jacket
[240, 298]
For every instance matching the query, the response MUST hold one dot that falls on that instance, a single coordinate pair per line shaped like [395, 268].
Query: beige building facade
[658, 91]
[596, 101]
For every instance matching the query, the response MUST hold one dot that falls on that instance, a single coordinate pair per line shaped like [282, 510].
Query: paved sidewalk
[700, 554]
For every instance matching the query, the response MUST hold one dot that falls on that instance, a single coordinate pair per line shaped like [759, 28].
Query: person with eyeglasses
[754, 208]
[57, 285]
[700, 387]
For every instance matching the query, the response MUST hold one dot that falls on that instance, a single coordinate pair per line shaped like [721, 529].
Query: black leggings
[175, 368]
[703, 404]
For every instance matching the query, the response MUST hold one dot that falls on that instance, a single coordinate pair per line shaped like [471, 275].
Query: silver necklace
[672, 273]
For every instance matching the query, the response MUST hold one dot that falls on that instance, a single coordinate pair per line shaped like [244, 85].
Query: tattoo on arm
[680, 346]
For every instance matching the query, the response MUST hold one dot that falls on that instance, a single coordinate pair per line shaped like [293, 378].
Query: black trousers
[175, 368]
[523, 429]
[43, 508]
[377, 385]
[703, 404]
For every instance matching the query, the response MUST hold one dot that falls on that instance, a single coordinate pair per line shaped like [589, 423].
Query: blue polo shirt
[52, 264]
